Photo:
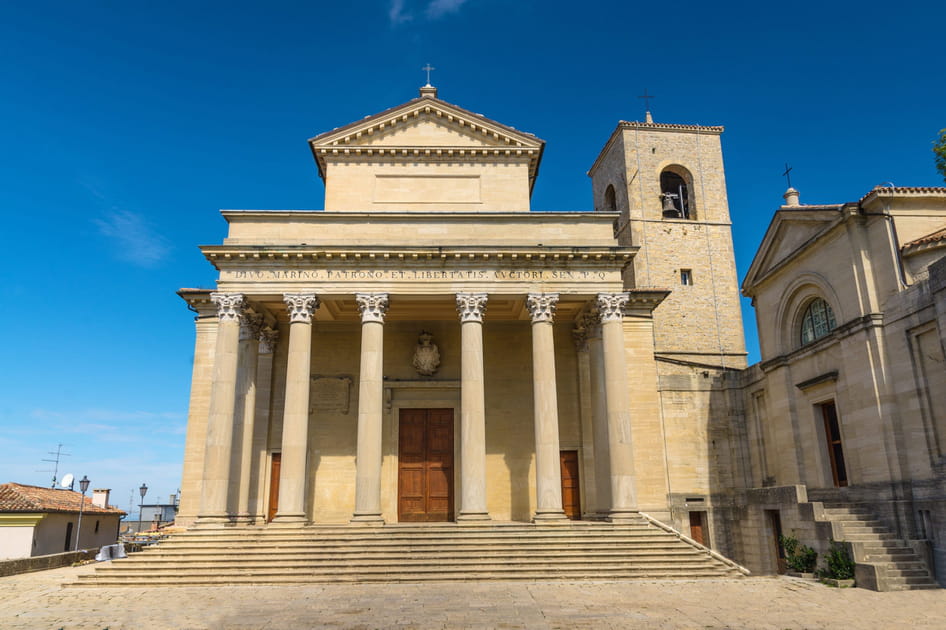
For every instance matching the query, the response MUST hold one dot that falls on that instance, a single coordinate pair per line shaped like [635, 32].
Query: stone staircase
[415, 553]
[883, 562]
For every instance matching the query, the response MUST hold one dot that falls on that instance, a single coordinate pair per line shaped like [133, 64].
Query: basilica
[428, 348]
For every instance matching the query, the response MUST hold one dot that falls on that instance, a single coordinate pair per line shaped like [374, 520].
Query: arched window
[817, 321]
[609, 203]
[675, 195]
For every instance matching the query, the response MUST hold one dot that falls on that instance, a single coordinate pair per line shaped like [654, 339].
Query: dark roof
[17, 497]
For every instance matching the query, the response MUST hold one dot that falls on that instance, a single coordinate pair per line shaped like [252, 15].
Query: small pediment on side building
[789, 234]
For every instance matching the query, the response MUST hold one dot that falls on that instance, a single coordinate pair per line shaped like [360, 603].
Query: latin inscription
[498, 275]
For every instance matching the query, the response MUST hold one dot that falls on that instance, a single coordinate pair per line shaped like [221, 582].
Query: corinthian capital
[267, 340]
[611, 306]
[373, 306]
[250, 325]
[471, 306]
[230, 306]
[542, 306]
[301, 306]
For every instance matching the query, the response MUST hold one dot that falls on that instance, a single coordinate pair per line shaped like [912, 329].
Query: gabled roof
[17, 497]
[792, 229]
[493, 138]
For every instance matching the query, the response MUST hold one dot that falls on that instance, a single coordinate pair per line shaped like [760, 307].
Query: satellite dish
[67, 481]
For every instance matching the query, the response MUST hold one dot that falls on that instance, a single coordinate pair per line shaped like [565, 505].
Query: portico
[496, 337]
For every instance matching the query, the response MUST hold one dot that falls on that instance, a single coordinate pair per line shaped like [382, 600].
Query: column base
[288, 520]
[623, 516]
[473, 517]
[243, 519]
[551, 517]
[369, 520]
[213, 521]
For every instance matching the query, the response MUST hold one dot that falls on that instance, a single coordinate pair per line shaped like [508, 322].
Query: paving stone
[37, 600]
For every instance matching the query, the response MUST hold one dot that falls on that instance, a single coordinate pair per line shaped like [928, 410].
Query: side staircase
[414, 553]
[883, 562]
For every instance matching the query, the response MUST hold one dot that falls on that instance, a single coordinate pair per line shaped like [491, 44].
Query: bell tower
[668, 185]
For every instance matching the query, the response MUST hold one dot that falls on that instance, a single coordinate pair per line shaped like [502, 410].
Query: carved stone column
[216, 478]
[623, 485]
[599, 420]
[244, 414]
[472, 307]
[260, 434]
[373, 306]
[295, 423]
[548, 472]
[587, 395]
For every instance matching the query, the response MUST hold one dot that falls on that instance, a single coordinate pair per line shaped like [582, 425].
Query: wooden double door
[425, 465]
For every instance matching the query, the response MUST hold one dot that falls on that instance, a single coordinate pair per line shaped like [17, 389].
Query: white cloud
[439, 8]
[137, 242]
[397, 14]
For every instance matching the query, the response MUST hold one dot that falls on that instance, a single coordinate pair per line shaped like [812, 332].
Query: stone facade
[427, 292]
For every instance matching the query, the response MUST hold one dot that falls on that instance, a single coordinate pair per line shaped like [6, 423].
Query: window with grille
[817, 321]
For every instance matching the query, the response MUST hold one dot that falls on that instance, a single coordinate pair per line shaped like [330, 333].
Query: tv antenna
[55, 471]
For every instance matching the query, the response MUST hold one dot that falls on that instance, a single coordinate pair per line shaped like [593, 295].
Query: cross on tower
[646, 98]
[428, 68]
[787, 174]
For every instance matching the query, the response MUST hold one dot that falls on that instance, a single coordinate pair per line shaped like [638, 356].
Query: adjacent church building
[428, 348]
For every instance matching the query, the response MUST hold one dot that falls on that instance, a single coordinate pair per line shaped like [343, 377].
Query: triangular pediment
[790, 233]
[426, 122]
[424, 130]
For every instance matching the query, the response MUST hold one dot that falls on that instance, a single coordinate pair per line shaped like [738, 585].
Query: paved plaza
[38, 601]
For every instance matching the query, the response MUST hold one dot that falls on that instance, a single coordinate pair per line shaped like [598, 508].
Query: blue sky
[126, 126]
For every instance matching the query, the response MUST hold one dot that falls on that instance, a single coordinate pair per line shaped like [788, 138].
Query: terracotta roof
[936, 237]
[17, 497]
[905, 190]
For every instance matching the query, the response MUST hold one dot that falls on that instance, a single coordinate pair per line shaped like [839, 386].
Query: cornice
[854, 326]
[225, 254]
[415, 216]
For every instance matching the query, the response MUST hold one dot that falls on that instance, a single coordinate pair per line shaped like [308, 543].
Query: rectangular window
[686, 277]
[832, 429]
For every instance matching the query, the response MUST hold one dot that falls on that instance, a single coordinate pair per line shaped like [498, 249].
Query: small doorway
[698, 527]
[775, 526]
[273, 487]
[832, 431]
[68, 544]
[425, 465]
[571, 491]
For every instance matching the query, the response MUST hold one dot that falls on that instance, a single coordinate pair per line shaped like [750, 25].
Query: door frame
[453, 510]
[415, 395]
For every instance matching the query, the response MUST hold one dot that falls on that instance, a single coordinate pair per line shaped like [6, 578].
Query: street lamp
[143, 490]
[83, 485]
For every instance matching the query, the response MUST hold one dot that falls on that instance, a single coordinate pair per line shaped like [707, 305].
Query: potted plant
[839, 567]
[801, 559]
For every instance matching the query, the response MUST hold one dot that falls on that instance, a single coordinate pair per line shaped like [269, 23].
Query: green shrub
[838, 563]
[798, 557]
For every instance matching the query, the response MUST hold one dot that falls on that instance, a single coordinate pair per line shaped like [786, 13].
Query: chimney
[100, 497]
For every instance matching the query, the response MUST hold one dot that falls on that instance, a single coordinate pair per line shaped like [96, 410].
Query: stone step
[290, 579]
[869, 537]
[417, 566]
[405, 553]
[627, 559]
[347, 553]
[423, 544]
